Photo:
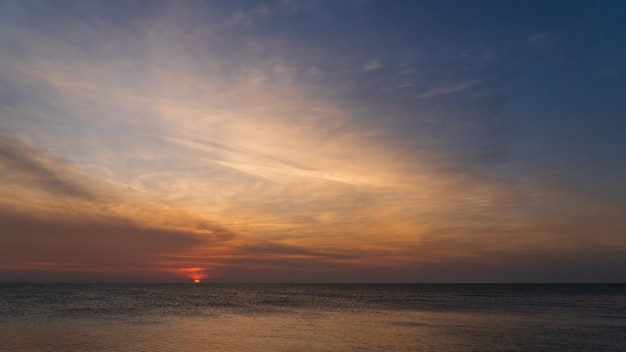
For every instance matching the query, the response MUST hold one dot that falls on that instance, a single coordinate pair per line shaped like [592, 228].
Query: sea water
[316, 317]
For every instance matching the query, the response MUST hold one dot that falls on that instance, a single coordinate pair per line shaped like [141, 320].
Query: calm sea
[269, 317]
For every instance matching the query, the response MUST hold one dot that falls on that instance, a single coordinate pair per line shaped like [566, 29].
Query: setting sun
[196, 281]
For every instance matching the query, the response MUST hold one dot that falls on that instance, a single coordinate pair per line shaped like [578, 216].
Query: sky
[313, 141]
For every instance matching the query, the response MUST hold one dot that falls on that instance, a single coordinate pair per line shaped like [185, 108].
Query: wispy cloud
[27, 165]
[449, 88]
[372, 65]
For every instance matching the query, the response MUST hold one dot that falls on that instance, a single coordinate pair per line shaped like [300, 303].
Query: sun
[195, 274]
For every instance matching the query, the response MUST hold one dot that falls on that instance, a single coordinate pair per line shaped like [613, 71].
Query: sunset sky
[313, 141]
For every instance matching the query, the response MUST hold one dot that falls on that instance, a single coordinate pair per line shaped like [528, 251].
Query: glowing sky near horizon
[371, 141]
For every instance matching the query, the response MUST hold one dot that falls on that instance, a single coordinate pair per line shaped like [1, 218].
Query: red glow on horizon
[195, 274]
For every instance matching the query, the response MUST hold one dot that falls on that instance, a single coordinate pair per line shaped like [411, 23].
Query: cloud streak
[449, 89]
[26, 164]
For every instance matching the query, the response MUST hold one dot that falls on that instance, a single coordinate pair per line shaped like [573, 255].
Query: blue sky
[406, 141]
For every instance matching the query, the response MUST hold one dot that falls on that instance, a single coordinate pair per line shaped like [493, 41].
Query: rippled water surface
[216, 317]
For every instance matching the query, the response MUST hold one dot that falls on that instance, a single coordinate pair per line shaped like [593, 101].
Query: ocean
[312, 317]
